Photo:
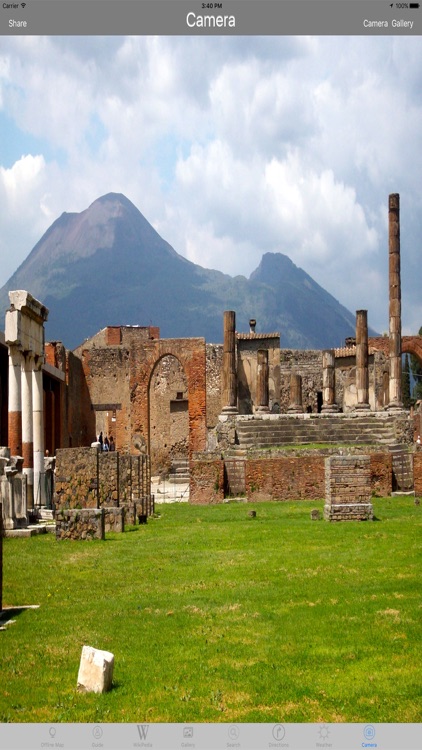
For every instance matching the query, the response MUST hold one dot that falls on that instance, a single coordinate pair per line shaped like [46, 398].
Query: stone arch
[409, 345]
[412, 345]
[144, 357]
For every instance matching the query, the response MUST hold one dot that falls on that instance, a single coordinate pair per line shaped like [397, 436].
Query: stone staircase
[179, 471]
[292, 430]
[402, 469]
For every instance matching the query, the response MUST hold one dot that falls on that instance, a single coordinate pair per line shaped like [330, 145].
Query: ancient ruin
[245, 417]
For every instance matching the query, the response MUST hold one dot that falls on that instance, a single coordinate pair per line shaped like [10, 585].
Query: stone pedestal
[13, 494]
[348, 488]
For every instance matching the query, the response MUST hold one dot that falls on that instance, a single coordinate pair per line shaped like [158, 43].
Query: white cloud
[230, 146]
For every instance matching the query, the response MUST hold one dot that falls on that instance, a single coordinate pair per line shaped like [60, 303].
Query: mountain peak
[108, 266]
[274, 267]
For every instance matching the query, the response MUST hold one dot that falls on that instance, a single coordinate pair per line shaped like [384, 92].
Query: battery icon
[414, 5]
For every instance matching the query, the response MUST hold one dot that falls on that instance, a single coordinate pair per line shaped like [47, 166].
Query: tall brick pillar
[328, 382]
[15, 400]
[296, 405]
[395, 386]
[362, 372]
[262, 386]
[229, 364]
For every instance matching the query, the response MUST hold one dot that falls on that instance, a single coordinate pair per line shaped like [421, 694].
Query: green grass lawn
[216, 616]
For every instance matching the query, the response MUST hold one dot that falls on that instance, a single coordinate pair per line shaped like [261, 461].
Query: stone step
[46, 514]
[315, 429]
[303, 431]
[32, 530]
[262, 433]
[292, 439]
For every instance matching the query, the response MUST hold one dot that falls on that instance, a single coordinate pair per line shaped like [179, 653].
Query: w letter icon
[143, 731]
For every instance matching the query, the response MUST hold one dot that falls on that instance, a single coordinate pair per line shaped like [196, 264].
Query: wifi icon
[23, 5]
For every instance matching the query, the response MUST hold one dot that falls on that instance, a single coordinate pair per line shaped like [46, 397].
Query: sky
[229, 146]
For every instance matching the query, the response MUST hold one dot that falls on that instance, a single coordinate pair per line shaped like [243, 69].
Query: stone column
[328, 382]
[27, 432]
[15, 401]
[296, 405]
[395, 385]
[229, 364]
[38, 432]
[362, 373]
[262, 386]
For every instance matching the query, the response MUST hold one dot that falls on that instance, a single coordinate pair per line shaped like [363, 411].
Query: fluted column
[328, 382]
[229, 364]
[262, 386]
[362, 373]
[38, 432]
[395, 385]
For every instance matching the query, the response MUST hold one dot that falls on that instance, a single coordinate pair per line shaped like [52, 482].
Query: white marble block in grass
[95, 670]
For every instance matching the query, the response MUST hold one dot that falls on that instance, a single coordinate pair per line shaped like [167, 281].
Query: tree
[405, 384]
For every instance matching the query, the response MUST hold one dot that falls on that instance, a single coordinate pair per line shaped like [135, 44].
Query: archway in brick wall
[168, 414]
[409, 345]
[412, 345]
[144, 357]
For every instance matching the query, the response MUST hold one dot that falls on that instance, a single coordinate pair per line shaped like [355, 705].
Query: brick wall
[144, 356]
[417, 472]
[206, 481]
[169, 417]
[308, 364]
[282, 478]
[381, 474]
[120, 479]
[76, 478]
[214, 358]
[285, 478]
[114, 336]
[78, 424]
[107, 376]
[86, 524]
[248, 346]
